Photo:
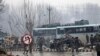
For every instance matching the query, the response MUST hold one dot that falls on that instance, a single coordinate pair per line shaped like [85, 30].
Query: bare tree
[21, 19]
[29, 15]
[47, 14]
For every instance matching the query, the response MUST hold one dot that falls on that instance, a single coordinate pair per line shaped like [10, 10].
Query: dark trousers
[30, 48]
[98, 53]
[40, 47]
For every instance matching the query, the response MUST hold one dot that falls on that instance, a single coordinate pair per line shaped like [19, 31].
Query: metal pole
[49, 14]
[49, 9]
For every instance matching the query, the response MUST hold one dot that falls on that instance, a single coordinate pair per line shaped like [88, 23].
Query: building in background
[81, 22]
[51, 25]
[2, 35]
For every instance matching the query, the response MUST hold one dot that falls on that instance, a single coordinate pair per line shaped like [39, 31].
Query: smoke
[87, 11]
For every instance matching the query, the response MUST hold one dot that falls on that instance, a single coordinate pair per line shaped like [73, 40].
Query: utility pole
[49, 9]
[39, 21]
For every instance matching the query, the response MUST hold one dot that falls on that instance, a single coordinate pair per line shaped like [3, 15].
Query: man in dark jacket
[41, 43]
[98, 48]
[97, 44]
[87, 38]
[77, 43]
[92, 41]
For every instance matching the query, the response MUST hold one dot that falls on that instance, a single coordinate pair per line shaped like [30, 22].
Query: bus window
[70, 30]
[60, 31]
[95, 28]
[89, 29]
[99, 28]
[84, 29]
[77, 30]
[81, 29]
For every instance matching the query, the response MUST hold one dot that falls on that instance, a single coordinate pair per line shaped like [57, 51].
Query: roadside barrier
[49, 50]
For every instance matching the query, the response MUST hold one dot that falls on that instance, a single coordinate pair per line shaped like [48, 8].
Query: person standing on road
[27, 49]
[41, 42]
[30, 47]
[92, 41]
[98, 48]
[72, 45]
[77, 44]
[87, 38]
[97, 40]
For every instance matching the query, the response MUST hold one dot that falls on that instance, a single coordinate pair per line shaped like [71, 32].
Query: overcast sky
[77, 9]
[56, 3]
[60, 5]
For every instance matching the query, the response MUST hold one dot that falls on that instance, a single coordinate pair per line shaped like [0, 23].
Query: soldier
[73, 45]
[30, 47]
[77, 43]
[25, 49]
[87, 38]
[37, 43]
[51, 44]
[92, 41]
[98, 44]
[41, 42]
[98, 48]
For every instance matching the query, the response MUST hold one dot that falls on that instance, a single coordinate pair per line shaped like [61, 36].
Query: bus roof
[43, 28]
[79, 26]
[67, 27]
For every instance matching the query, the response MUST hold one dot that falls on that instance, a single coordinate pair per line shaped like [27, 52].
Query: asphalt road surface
[20, 53]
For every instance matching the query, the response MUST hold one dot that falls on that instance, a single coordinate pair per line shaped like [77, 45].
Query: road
[20, 53]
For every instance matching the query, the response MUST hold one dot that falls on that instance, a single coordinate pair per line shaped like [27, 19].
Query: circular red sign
[27, 39]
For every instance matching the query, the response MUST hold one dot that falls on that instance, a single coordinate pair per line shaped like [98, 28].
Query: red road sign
[27, 39]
